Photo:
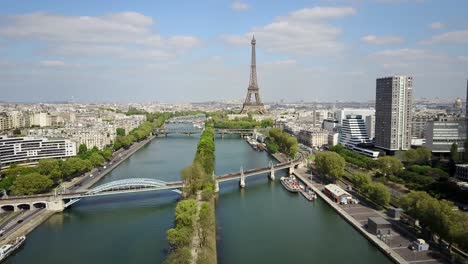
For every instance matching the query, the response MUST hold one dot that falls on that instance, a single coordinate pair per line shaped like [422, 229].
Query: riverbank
[28, 227]
[300, 173]
[84, 182]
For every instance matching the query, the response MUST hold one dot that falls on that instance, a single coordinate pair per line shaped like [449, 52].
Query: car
[20, 221]
[90, 175]
[2, 231]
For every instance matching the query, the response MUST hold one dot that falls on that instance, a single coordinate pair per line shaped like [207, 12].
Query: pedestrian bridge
[60, 201]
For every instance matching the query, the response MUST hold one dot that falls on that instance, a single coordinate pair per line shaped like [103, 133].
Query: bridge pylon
[271, 175]
[242, 178]
[291, 168]
[216, 183]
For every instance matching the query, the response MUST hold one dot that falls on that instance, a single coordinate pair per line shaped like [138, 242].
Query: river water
[260, 224]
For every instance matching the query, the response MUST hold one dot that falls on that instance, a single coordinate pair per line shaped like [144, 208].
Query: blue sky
[182, 51]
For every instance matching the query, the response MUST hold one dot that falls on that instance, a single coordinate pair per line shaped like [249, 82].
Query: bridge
[195, 130]
[63, 200]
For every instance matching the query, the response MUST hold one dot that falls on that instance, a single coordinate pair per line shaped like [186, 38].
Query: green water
[261, 224]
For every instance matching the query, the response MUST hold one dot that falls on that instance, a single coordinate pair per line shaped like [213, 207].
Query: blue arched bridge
[62, 200]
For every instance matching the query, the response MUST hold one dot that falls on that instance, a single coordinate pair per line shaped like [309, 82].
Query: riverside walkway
[395, 246]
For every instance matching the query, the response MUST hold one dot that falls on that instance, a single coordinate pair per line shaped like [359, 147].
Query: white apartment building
[29, 149]
[354, 132]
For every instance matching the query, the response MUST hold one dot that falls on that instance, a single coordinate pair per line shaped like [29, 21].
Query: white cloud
[451, 37]
[304, 32]
[402, 55]
[463, 58]
[239, 6]
[282, 62]
[436, 25]
[128, 34]
[375, 40]
[52, 63]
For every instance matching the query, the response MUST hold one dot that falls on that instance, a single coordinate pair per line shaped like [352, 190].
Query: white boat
[7, 249]
[290, 184]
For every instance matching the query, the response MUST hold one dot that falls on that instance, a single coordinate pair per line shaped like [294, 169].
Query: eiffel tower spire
[251, 106]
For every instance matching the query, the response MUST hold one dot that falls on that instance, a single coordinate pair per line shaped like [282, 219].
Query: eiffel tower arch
[252, 103]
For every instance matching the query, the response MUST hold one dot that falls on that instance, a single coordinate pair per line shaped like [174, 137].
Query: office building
[353, 135]
[441, 133]
[29, 149]
[393, 108]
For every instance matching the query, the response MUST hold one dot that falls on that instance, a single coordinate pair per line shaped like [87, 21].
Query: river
[261, 224]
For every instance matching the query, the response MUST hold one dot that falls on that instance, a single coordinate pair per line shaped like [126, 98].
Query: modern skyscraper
[393, 106]
[251, 106]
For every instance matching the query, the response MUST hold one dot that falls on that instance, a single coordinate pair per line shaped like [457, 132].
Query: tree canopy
[31, 184]
[389, 165]
[330, 163]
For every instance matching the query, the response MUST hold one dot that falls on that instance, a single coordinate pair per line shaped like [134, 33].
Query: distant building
[441, 133]
[354, 133]
[330, 124]
[394, 100]
[317, 138]
[333, 139]
[28, 149]
[370, 126]
[461, 172]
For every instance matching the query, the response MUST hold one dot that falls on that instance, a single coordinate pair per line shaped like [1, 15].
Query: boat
[7, 249]
[309, 194]
[290, 183]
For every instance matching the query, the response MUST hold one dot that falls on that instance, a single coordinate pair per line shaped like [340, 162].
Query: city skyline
[311, 51]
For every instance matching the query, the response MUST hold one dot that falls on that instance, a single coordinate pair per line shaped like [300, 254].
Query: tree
[96, 159]
[192, 176]
[420, 155]
[272, 147]
[51, 168]
[120, 131]
[32, 183]
[389, 165]
[179, 237]
[378, 193]
[107, 153]
[330, 163]
[82, 149]
[454, 155]
[361, 179]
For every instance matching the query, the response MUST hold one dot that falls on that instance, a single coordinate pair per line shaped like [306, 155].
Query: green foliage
[354, 157]
[221, 121]
[82, 149]
[330, 163]
[285, 142]
[50, 167]
[389, 165]
[420, 155]
[179, 237]
[438, 216]
[272, 147]
[120, 132]
[179, 256]
[107, 153]
[32, 183]
[361, 179]
[378, 193]
[96, 159]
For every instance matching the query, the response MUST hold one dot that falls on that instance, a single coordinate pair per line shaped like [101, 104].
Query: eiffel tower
[249, 105]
